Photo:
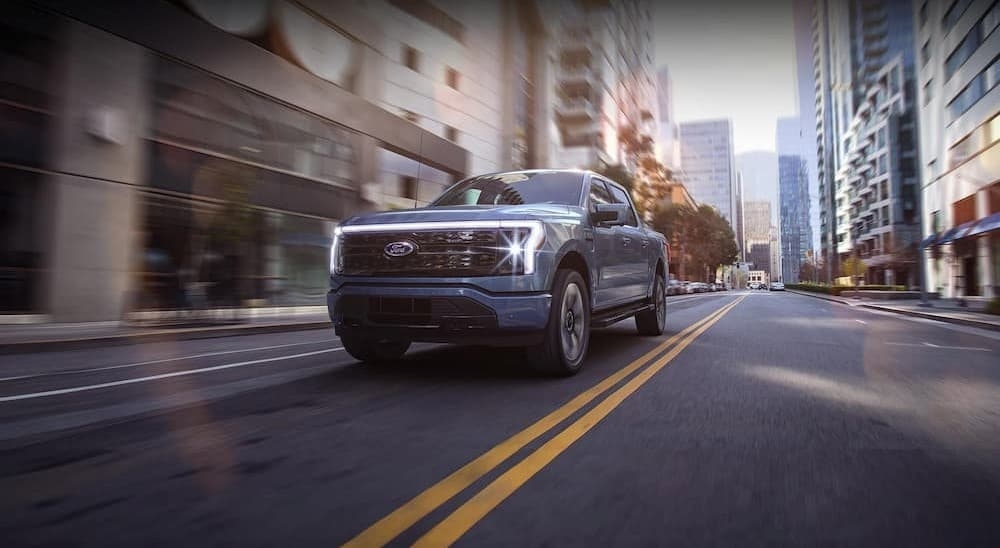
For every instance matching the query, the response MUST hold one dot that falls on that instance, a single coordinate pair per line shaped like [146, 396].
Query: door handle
[626, 240]
[645, 243]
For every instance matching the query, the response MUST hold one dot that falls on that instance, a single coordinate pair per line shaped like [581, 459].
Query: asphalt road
[766, 419]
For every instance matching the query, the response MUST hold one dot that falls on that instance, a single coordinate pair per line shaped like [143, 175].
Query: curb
[162, 335]
[913, 313]
[960, 321]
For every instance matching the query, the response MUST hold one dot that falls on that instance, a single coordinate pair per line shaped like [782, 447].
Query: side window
[621, 197]
[598, 195]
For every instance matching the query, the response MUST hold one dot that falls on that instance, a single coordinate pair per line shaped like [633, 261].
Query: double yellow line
[466, 516]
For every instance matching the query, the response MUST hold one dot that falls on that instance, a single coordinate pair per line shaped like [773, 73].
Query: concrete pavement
[943, 310]
[767, 419]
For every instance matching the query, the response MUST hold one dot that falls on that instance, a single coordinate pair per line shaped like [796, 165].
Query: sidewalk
[945, 310]
[55, 336]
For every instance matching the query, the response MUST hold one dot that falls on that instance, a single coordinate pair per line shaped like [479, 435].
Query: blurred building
[668, 141]
[191, 154]
[960, 145]
[805, 94]
[866, 142]
[604, 80]
[758, 227]
[739, 230]
[793, 199]
[708, 164]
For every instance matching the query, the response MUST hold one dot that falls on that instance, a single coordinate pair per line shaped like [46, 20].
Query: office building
[146, 172]
[960, 145]
[740, 227]
[668, 140]
[793, 199]
[759, 234]
[708, 164]
[866, 136]
[805, 95]
[604, 81]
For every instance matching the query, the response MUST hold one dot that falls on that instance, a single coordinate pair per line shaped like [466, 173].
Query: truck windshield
[544, 187]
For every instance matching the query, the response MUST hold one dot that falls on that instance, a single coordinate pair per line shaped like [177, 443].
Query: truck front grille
[435, 253]
[442, 312]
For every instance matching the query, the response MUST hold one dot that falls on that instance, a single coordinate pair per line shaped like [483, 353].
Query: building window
[409, 189]
[963, 51]
[451, 77]
[451, 133]
[411, 58]
[977, 88]
[953, 14]
[928, 91]
[925, 53]
[923, 13]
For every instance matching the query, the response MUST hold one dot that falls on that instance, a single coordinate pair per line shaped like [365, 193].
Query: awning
[957, 233]
[929, 241]
[986, 224]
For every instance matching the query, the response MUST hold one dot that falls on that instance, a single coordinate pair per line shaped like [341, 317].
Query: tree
[652, 180]
[703, 238]
[853, 267]
[618, 174]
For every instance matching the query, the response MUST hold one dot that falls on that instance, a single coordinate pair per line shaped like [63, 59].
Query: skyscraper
[708, 164]
[668, 139]
[793, 199]
[605, 80]
[960, 151]
[805, 92]
[863, 59]
[759, 235]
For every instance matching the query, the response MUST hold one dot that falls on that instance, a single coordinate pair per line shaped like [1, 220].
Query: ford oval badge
[399, 249]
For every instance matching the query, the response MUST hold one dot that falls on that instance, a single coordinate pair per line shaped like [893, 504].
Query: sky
[730, 59]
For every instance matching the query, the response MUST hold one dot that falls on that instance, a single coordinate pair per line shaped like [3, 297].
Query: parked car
[674, 287]
[777, 286]
[530, 259]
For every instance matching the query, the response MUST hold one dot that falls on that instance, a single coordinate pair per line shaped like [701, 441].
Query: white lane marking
[161, 376]
[941, 347]
[862, 322]
[150, 362]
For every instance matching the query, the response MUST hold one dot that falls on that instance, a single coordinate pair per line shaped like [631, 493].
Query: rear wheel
[652, 321]
[374, 351]
[567, 334]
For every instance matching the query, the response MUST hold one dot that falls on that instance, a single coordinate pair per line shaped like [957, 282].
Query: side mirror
[610, 214]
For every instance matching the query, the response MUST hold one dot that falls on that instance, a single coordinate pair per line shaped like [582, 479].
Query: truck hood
[550, 212]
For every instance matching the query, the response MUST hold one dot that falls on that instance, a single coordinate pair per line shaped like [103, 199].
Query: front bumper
[438, 313]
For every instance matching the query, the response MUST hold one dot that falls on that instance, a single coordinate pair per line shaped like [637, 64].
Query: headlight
[519, 244]
[336, 257]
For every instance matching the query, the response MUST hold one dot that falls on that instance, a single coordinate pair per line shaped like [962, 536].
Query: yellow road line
[404, 517]
[466, 516]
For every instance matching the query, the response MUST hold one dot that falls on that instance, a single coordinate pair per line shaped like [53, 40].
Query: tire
[567, 334]
[652, 322]
[373, 351]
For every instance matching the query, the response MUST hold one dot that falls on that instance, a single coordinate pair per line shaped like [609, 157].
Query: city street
[758, 419]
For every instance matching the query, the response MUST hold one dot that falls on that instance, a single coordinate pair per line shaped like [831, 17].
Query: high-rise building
[793, 199]
[708, 164]
[759, 233]
[802, 17]
[668, 140]
[960, 145]
[266, 125]
[605, 81]
[863, 59]
[740, 229]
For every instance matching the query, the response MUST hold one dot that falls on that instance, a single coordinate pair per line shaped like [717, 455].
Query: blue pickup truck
[530, 259]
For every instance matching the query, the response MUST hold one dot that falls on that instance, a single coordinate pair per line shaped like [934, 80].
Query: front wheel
[373, 351]
[652, 321]
[567, 334]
